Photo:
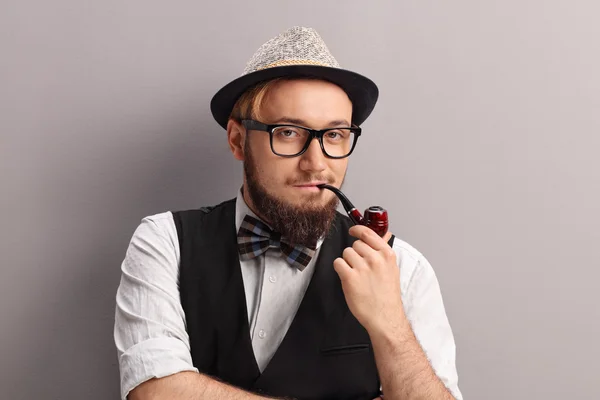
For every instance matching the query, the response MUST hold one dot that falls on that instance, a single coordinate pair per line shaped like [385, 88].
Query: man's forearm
[403, 367]
[189, 386]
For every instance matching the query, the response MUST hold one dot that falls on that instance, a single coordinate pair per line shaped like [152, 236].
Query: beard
[298, 225]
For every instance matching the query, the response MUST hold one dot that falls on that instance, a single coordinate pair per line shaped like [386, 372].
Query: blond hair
[249, 104]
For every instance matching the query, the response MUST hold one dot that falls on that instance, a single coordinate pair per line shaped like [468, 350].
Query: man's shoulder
[155, 226]
[165, 222]
[405, 248]
[166, 218]
[159, 218]
[204, 209]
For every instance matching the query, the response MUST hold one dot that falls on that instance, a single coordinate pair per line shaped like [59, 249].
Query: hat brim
[362, 91]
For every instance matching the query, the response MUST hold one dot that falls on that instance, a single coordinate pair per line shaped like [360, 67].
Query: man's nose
[313, 159]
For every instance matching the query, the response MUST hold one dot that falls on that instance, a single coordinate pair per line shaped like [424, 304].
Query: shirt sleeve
[149, 332]
[425, 310]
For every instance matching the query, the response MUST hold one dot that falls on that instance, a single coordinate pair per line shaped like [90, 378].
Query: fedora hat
[296, 53]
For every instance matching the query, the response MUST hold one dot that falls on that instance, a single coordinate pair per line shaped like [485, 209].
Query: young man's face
[314, 104]
[277, 185]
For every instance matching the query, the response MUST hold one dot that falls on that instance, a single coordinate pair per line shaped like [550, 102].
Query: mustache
[307, 179]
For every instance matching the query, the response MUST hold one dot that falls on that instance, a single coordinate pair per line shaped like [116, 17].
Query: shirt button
[262, 334]
[272, 279]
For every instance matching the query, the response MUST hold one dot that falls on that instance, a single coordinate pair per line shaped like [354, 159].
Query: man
[274, 293]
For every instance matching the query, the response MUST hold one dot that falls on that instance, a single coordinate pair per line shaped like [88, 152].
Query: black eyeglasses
[292, 140]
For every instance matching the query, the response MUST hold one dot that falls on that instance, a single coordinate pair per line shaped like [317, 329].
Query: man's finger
[342, 268]
[368, 236]
[362, 248]
[353, 259]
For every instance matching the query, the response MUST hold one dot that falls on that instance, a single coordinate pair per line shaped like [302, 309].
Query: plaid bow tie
[255, 237]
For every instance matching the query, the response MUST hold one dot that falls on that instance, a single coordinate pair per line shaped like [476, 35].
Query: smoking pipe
[375, 217]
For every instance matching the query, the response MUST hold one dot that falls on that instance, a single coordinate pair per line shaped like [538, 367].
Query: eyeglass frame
[254, 125]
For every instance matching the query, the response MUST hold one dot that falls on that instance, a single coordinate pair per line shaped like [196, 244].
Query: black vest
[325, 354]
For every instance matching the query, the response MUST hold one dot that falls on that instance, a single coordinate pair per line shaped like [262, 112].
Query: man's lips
[312, 186]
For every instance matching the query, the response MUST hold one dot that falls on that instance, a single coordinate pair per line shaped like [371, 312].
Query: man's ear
[236, 137]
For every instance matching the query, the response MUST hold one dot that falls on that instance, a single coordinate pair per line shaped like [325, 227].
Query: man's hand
[371, 280]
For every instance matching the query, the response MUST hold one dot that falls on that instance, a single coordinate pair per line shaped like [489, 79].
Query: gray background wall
[483, 147]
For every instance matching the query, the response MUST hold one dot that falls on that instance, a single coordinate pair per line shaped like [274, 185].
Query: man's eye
[288, 132]
[334, 135]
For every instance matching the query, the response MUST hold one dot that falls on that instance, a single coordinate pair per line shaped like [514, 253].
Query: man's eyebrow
[301, 122]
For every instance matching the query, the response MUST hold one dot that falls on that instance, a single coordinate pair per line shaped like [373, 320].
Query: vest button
[262, 334]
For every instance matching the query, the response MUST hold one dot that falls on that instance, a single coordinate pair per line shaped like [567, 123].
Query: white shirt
[150, 330]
